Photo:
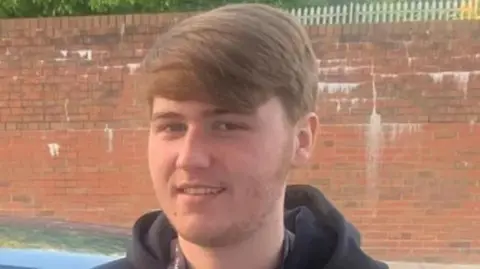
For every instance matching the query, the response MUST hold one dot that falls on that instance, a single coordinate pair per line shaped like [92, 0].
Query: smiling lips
[200, 190]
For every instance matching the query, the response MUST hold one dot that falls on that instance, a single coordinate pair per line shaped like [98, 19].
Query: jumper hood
[322, 236]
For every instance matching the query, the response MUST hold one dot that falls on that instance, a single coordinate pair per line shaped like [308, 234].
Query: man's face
[218, 175]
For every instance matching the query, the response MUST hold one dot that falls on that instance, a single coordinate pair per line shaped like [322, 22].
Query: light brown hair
[237, 56]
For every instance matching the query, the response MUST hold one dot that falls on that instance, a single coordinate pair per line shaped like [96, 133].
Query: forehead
[161, 104]
[195, 109]
[168, 108]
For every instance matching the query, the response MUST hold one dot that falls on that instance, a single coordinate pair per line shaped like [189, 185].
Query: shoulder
[116, 264]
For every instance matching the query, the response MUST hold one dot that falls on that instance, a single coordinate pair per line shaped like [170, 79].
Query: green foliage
[42, 8]
[52, 8]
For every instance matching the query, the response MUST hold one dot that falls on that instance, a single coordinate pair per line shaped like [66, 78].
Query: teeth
[202, 191]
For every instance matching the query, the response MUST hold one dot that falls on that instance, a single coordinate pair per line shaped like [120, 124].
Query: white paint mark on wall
[331, 61]
[473, 122]
[65, 107]
[386, 75]
[398, 129]
[64, 54]
[389, 131]
[374, 136]
[349, 69]
[467, 56]
[350, 102]
[353, 102]
[106, 67]
[339, 106]
[461, 78]
[132, 67]
[345, 69]
[337, 87]
[122, 30]
[54, 149]
[326, 70]
[109, 134]
[87, 54]
[437, 77]
[410, 61]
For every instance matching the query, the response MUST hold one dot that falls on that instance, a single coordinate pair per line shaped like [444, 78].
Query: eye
[171, 128]
[229, 126]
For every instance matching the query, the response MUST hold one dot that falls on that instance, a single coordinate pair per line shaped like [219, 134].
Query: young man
[232, 102]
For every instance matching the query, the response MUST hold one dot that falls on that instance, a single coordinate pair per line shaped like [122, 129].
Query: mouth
[201, 190]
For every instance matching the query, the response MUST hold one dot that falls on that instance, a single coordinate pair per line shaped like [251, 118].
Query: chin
[201, 234]
[210, 231]
[197, 223]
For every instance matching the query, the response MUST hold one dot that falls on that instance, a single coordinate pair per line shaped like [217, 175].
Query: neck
[263, 250]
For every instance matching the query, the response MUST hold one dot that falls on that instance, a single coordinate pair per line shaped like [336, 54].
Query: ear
[305, 134]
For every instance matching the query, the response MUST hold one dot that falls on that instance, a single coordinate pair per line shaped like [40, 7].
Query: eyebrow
[166, 115]
[207, 113]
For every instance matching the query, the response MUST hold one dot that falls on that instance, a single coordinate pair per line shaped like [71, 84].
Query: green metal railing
[400, 11]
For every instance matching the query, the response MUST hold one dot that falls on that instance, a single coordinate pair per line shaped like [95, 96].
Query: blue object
[50, 259]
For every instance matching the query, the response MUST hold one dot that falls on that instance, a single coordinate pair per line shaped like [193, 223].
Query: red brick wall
[398, 149]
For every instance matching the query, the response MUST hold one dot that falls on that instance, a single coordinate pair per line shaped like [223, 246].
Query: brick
[45, 213]
[21, 198]
[425, 177]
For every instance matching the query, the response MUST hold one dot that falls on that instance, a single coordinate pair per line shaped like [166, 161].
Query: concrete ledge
[414, 265]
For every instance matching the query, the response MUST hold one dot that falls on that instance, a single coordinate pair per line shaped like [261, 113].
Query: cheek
[159, 175]
[260, 174]
[267, 158]
[256, 195]
[160, 162]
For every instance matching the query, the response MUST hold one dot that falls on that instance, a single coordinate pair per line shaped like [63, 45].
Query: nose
[194, 151]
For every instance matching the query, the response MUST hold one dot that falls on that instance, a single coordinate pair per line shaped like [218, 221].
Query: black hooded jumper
[323, 238]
